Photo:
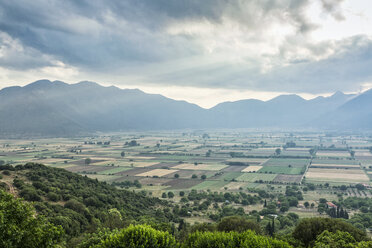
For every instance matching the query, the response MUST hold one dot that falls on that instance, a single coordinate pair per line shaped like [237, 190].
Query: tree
[309, 228]
[352, 153]
[139, 236]
[306, 204]
[170, 194]
[87, 161]
[338, 240]
[122, 154]
[278, 151]
[208, 153]
[360, 186]
[194, 176]
[132, 143]
[203, 177]
[176, 175]
[164, 195]
[246, 239]
[21, 227]
[238, 224]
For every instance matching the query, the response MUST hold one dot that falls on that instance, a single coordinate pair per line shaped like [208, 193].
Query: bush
[308, 229]
[246, 239]
[238, 224]
[139, 236]
[53, 197]
[20, 228]
[30, 195]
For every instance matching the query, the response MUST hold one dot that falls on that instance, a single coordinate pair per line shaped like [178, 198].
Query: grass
[230, 176]
[282, 170]
[114, 170]
[283, 162]
[209, 184]
[253, 177]
[212, 167]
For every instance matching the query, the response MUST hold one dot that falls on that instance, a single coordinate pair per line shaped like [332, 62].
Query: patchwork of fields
[185, 161]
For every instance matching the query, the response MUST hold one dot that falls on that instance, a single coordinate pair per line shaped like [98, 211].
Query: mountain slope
[282, 111]
[56, 108]
[354, 114]
[46, 108]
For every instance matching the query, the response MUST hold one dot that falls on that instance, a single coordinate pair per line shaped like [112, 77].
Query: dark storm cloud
[118, 37]
[96, 33]
[347, 70]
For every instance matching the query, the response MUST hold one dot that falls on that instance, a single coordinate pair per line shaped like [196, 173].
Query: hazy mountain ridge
[59, 109]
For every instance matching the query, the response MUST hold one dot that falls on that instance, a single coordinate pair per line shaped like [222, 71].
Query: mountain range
[45, 108]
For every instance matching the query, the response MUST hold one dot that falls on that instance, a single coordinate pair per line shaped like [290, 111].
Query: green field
[209, 184]
[253, 177]
[285, 162]
[281, 170]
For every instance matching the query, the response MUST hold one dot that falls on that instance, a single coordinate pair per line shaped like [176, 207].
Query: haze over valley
[186, 124]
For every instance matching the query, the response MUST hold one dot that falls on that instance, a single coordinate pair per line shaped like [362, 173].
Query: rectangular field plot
[228, 176]
[114, 170]
[288, 178]
[342, 154]
[106, 178]
[335, 166]
[286, 162]
[236, 185]
[212, 167]
[247, 161]
[253, 177]
[182, 183]
[296, 152]
[252, 168]
[337, 175]
[156, 172]
[282, 170]
[212, 185]
[234, 168]
[150, 181]
[87, 168]
[335, 161]
[261, 151]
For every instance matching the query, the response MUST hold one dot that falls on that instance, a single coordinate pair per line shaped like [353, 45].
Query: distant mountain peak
[39, 83]
[338, 94]
[287, 98]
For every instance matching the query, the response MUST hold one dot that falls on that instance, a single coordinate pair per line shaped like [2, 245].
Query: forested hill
[46, 108]
[80, 204]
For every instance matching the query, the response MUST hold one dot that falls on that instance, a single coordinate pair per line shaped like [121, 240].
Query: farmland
[163, 162]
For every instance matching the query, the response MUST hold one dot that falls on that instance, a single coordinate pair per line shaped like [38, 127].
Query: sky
[204, 52]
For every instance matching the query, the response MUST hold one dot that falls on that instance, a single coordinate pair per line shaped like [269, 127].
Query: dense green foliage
[246, 239]
[19, 227]
[339, 239]
[95, 214]
[308, 229]
[238, 224]
[80, 204]
[138, 236]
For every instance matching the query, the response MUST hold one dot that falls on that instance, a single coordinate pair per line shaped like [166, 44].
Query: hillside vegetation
[62, 209]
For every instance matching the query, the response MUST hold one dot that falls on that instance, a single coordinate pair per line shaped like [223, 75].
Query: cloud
[334, 8]
[234, 44]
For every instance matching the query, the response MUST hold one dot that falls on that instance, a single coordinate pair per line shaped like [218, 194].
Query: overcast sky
[202, 51]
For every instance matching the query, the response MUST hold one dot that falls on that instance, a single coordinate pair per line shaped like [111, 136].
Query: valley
[173, 165]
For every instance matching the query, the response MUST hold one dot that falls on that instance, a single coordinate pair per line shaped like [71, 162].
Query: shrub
[139, 236]
[308, 229]
[19, 227]
[238, 224]
[246, 239]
